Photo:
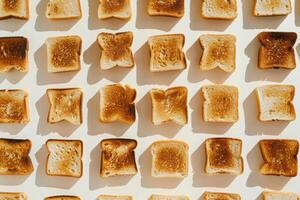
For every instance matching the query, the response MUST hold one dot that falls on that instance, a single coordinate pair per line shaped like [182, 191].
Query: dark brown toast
[172, 8]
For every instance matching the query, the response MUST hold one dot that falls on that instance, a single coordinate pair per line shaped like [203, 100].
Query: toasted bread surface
[166, 52]
[120, 9]
[114, 197]
[118, 157]
[14, 106]
[13, 54]
[275, 195]
[14, 9]
[63, 197]
[169, 159]
[169, 105]
[223, 156]
[220, 196]
[275, 103]
[168, 197]
[220, 103]
[117, 103]
[219, 52]
[65, 104]
[280, 157]
[13, 196]
[277, 50]
[64, 158]
[63, 53]
[219, 9]
[116, 50]
[272, 8]
[171, 8]
[63, 9]
[14, 157]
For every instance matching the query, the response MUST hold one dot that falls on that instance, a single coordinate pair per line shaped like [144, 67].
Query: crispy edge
[63, 18]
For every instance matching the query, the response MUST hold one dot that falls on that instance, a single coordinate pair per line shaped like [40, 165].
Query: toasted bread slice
[120, 9]
[168, 197]
[114, 197]
[65, 104]
[116, 50]
[63, 53]
[118, 157]
[64, 158]
[219, 196]
[14, 106]
[13, 54]
[268, 195]
[169, 105]
[277, 50]
[117, 103]
[63, 9]
[63, 197]
[14, 157]
[280, 157]
[14, 9]
[223, 156]
[171, 8]
[275, 103]
[219, 9]
[272, 8]
[13, 196]
[219, 51]
[166, 52]
[220, 103]
[169, 159]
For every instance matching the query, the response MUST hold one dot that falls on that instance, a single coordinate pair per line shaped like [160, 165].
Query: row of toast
[117, 103]
[166, 52]
[170, 158]
[266, 195]
[121, 9]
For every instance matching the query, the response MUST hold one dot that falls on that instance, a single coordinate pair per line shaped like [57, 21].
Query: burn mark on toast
[168, 6]
[12, 49]
[111, 6]
[220, 154]
[11, 5]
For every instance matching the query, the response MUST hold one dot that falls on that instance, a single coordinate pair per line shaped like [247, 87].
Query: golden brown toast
[62, 197]
[120, 9]
[14, 157]
[13, 196]
[277, 50]
[118, 157]
[220, 196]
[219, 9]
[14, 9]
[171, 8]
[280, 157]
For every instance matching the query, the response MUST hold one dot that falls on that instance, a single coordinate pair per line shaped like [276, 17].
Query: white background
[90, 78]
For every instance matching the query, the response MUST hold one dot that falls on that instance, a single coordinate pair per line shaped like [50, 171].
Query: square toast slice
[272, 195]
[166, 52]
[14, 9]
[62, 197]
[114, 197]
[220, 196]
[168, 197]
[118, 157]
[219, 9]
[223, 156]
[64, 158]
[120, 9]
[171, 8]
[272, 8]
[169, 105]
[169, 159]
[13, 196]
[275, 103]
[280, 157]
[63, 9]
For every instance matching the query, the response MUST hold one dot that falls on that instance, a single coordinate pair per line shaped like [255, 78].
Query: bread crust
[26, 17]
[169, 8]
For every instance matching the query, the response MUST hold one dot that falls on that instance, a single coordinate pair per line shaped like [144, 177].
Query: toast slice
[168, 197]
[14, 9]
[63, 53]
[169, 105]
[65, 104]
[14, 106]
[220, 103]
[118, 157]
[219, 52]
[116, 50]
[268, 195]
[219, 9]
[64, 158]
[120, 9]
[63, 9]
[223, 156]
[13, 54]
[166, 52]
[117, 103]
[171, 8]
[169, 159]
[63, 197]
[280, 157]
[277, 50]
[272, 8]
[13, 196]
[14, 157]
[275, 103]
[114, 197]
[219, 196]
